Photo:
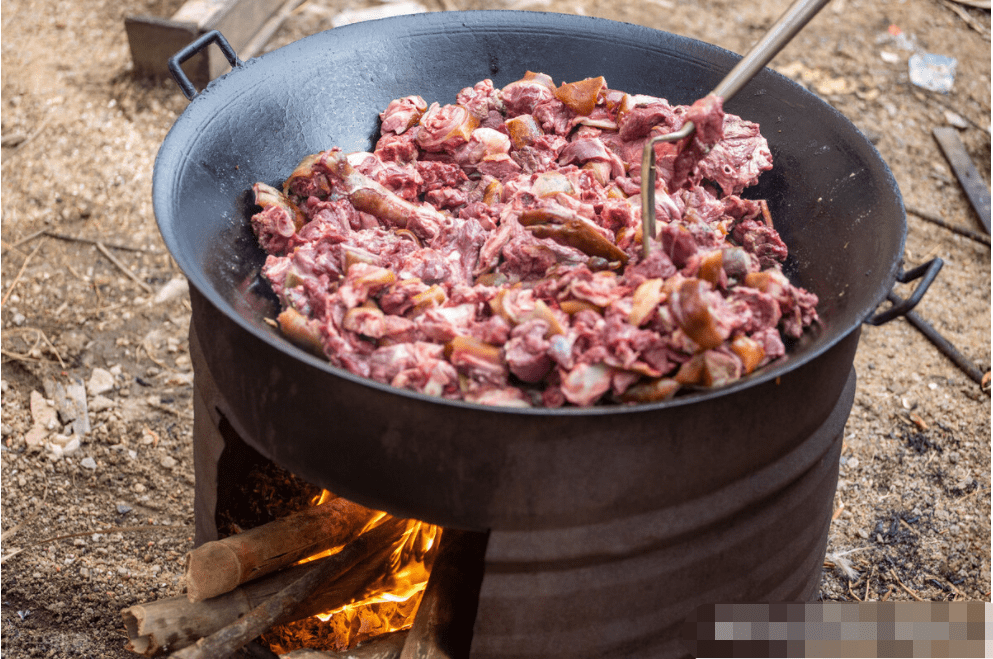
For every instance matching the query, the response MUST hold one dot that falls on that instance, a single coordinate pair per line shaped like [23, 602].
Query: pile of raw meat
[491, 250]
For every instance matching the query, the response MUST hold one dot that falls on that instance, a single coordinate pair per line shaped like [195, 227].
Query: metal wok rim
[171, 159]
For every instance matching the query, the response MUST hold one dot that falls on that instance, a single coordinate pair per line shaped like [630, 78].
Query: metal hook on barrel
[780, 34]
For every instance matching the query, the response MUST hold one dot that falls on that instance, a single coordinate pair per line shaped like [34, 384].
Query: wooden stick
[155, 628]
[120, 266]
[91, 241]
[227, 640]
[962, 231]
[17, 279]
[443, 625]
[221, 566]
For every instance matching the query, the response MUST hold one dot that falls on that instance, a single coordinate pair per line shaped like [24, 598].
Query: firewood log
[218, 567]
[167, 625]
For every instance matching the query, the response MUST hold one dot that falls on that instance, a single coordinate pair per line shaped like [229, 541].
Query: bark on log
[219, 567]
[155, 628]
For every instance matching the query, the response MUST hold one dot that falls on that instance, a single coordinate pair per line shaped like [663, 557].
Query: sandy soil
[93, 527]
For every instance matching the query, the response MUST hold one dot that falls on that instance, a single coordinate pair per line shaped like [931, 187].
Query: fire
[386, 601]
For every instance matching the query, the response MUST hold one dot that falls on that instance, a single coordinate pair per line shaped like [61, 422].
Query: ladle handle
[791, 22]
[201, 42]
[780, 34]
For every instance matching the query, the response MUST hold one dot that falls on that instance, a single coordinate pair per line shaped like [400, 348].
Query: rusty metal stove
[621, 588]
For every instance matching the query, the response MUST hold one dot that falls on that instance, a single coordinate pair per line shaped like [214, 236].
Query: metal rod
[780, 34]
[940, 342]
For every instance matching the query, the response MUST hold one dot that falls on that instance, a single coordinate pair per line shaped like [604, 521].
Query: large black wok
[833, 199]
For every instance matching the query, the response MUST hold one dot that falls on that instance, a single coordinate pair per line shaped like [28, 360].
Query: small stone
[172, 289]
[18, 318]
[138, 488]
[853, 462]
[863, 534]
[88, 462]
[42, 413]
[5, 429]
[100, 404]
[101, 381]
[953, 457]
[35, 438]
[71, 446]
[956, 120]
[168, 462]
[75, 340]
[123, 509]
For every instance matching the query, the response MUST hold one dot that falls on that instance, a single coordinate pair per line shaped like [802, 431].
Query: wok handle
[926, 272]
[201, 42]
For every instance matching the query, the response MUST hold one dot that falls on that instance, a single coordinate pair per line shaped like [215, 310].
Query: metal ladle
[791, 22]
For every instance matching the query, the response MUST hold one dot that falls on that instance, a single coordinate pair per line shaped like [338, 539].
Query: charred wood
[155, 628]
[443, 625]
[387, 646]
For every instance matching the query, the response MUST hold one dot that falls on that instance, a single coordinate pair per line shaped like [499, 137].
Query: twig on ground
[962, 231]
[969, 20]
[166, 408]
[12, 531]
[151, 356]
[123, 268]
[23, 358]
[909, 527]
[20, 273]
[41, 337]
[114, 529]
[92, 241]
[29, 238]
[6, 247]
[35, 133]
[905, 587]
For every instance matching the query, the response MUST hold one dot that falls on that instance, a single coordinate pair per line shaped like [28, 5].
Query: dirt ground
[99, 522]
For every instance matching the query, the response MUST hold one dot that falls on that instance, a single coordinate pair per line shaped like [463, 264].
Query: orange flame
[388, 603]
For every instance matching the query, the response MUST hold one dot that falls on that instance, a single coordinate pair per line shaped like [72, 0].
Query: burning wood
[375, 560]
[331, 582]
[219, 567]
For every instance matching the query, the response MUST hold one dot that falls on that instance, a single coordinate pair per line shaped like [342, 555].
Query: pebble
[853, 462]
[88, 462]
[100, 382]
[18, 319]
[168, 462]
[138, 488]
[172, 289]
[953, 457]
[123, 509]
[100, 404]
